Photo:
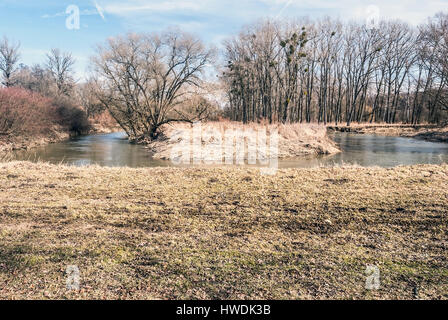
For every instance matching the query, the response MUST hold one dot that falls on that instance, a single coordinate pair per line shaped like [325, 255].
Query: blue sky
[41, 25]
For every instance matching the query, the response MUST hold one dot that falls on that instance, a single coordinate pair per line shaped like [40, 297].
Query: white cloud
[86, 12]
[130, 7]
[412, 11]
[100, 10]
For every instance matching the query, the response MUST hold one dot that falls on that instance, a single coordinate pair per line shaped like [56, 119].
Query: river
[113, 150]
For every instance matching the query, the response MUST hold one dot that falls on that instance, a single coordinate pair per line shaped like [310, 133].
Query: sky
[43, 24]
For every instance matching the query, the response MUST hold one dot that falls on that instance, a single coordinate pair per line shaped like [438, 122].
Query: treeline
[328, 71]
[41, 99]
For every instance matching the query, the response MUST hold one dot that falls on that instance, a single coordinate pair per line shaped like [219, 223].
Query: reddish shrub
[24, 112]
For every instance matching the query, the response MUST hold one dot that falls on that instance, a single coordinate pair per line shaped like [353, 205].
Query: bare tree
[433, 62]
[262, 74]
[60, 65]
[144, 78]
[345, 72]
[9, 58]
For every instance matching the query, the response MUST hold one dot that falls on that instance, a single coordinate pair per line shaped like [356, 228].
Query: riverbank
[9, 143]
[223, 233]
[426, 132]
[26, 142]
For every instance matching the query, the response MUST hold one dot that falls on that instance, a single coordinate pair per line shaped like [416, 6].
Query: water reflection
[113, 150]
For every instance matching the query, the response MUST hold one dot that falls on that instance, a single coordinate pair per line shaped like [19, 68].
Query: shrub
[23, 112]
[26, 113]
[70, 116]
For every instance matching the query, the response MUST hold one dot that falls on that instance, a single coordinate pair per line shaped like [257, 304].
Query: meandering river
[114, 150]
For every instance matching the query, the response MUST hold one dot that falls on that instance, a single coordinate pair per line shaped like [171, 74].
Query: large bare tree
[145, 78]
[9, 58]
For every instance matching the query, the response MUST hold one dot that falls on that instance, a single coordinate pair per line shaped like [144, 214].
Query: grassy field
[223, 233]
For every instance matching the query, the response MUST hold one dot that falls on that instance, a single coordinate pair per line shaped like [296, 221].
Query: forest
[328, 71]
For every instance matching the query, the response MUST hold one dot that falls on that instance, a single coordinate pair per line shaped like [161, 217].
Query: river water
[114, 150]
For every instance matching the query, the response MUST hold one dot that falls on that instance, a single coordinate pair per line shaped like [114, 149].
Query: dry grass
[295, 140]
[223, 233]
[425, 131]
[435, 135]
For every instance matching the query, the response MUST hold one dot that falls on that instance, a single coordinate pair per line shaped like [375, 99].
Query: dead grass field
[223, 233]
